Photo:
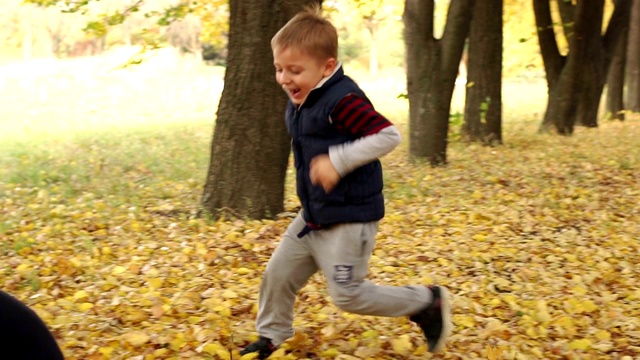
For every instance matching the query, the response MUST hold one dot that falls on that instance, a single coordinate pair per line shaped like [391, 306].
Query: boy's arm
[348, 157]
[376, 135]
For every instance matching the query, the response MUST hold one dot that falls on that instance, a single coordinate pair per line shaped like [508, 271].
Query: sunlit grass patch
[116, 162]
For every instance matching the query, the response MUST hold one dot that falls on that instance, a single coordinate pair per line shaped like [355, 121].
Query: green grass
[116, 162]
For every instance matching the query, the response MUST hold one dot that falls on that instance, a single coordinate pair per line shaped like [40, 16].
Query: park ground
[100, 177]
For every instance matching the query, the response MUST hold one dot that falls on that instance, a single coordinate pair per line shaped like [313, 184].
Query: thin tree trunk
[432, 66]
[616, 39]
[552, 59]
[633, 59]
[615, 85]
[250, 148]
[567, 17]
[483, 101]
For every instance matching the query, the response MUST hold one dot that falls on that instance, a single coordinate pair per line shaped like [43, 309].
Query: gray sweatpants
[342, 252]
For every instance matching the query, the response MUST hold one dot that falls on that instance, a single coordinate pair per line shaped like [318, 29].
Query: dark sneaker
[435, 319]
[264, 347]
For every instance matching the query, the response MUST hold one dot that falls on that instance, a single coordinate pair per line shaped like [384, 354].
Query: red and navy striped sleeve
[355, 116]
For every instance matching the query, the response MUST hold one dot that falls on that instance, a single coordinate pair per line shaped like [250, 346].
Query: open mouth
[294, 93]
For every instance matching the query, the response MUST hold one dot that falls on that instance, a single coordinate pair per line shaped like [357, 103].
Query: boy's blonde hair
[310, 33]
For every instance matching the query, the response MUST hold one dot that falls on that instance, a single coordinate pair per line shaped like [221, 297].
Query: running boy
[337, 138]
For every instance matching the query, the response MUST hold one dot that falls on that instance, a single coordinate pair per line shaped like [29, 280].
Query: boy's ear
[330, 66]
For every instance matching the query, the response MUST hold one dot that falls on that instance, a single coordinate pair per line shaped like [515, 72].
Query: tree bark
[250, 147]
[592, 73]
[553, 60]
[567, 16]
[576, 81]
[633, 59]
[617, 38]
[432, 66]
[483, 101]
[615, 85]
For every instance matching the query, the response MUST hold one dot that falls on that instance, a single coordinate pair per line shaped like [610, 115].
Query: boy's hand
[323, 173]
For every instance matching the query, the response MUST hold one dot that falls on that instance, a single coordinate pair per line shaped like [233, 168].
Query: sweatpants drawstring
[309, 227]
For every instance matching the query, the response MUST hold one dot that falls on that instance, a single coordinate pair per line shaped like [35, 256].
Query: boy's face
[298, 72]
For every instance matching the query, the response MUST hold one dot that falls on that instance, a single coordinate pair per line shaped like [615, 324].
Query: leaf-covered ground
[537, 239]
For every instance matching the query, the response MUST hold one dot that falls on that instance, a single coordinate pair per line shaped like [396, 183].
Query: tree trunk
[432, 66]
[615, 85]
[552, 59]
[592, 73]
[633, 59]
[617, 59]
[250, 148]
[567, 13]
[483, 101]
[576, 82]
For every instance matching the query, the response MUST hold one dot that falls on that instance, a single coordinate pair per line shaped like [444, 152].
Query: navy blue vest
[358, 196]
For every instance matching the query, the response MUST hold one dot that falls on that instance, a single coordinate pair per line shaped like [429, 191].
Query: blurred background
[370, 37]
[168, 60]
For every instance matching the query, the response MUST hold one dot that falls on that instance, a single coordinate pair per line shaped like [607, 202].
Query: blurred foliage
[363, 24]
[172, 14]
[70, 6]
[44, 28]
[215, 24]
[128, 22]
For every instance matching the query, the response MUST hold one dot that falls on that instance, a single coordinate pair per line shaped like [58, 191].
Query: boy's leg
[343, 252]
[288, 270]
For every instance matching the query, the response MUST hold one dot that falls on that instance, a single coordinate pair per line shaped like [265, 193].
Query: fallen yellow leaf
[136, 338]
[581, 344]
[402, 345]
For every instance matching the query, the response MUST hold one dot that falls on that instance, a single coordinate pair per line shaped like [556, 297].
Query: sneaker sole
[447, 326]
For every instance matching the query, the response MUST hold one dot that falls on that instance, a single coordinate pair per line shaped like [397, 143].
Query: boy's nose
[283, 79]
